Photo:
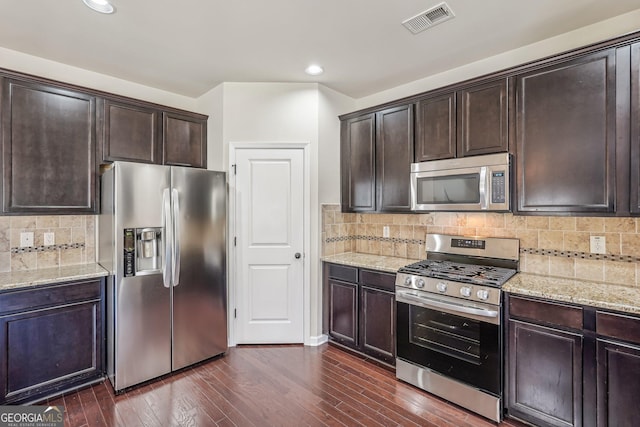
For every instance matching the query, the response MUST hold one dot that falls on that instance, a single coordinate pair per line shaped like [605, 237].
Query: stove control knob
[407, 281]
[465, 291]
[483, 294]
[420, 283]
[441, 287]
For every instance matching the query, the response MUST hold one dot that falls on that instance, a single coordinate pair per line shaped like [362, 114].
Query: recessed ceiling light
[314, 70]
[102, 6]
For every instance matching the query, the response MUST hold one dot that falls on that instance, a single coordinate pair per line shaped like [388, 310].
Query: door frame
[232, 249]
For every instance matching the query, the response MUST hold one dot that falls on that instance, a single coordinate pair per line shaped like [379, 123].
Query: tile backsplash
[550, 245]
[74, 241]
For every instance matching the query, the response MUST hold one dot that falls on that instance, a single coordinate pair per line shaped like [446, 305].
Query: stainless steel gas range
[449, 320]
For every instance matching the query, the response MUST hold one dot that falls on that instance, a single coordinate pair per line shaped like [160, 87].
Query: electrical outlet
[49, 239]
[26, 239]
[598, 245]
[385, 231]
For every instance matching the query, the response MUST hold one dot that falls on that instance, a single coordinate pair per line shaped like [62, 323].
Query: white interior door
[269, 245]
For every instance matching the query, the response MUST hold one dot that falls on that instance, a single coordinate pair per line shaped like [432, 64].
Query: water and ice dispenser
[142, 251]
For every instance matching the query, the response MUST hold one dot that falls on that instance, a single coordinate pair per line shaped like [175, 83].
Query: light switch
[49, 239]
[26, 239]
[385, 231]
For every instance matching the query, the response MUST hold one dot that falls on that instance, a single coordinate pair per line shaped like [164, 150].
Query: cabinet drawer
[378, 280]
[618, 326]
[343, 272]
[546, 312]
[34, 298]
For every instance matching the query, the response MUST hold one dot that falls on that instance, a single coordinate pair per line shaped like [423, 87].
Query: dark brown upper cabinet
[394, 155]
[358, 164]
[635, 129]
[48, 147]
[376, 156]
[143, 132]
[467, 122]
[129, 132]
[565, 130]
[436, 128]
[483, 119]
[184, 140]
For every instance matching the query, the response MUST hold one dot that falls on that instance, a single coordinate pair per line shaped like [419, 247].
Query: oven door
[455, 338]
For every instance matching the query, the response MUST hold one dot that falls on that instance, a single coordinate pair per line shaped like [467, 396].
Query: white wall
[21, 62]
[600, 31]
[212, 104]
[331, 105]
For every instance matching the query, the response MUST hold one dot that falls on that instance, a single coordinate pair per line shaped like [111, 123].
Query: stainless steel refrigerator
[162, 235]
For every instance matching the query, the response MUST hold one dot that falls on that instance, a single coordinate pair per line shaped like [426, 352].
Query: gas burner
[460, 272]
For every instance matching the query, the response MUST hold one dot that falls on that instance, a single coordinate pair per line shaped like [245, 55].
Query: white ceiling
[190, 46]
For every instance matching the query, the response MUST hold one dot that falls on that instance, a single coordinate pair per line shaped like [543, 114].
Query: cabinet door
[343, 312]
[635, 128]
[377, 326]
[618, 385]
[544, 375]
[394, 151]
[483, 119]
[358, 164]
[566, 136]
[436, 128]
[48, 146]
[184, 140]
[130, 132]
[50, 350]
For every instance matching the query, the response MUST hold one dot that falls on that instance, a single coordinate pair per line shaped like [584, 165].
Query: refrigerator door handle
[176, 237]
[168, 238]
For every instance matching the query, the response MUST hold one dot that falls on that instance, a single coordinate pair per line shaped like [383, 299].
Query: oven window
[463, 188]
[445, 333]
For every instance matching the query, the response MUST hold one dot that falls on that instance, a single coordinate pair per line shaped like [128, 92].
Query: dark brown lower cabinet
[359, 310]
[618, 368]
[377, 328]
[618, 384]
[343, 321]
[570, 365]
[51, 339]
[545, 375]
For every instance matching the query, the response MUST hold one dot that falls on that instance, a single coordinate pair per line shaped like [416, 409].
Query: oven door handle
[425, 302]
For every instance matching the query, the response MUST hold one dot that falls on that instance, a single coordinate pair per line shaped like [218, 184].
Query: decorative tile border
[46, 248]
[531, 251]
[375, 239]
[581, 255]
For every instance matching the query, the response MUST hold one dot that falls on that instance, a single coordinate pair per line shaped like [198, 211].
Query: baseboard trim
[317, 340]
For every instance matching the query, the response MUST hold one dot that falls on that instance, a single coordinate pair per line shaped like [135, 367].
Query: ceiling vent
[427, 19]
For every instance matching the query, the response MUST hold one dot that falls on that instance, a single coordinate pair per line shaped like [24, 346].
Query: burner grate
[460, 272]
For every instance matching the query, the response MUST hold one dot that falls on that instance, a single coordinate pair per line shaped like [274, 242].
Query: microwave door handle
[484, 186]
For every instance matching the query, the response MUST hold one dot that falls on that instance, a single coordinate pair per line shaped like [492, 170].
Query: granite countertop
[27, 278]
[375, 262]
[584, 292]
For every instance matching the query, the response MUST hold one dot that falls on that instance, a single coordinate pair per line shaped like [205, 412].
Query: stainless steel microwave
[478, 183]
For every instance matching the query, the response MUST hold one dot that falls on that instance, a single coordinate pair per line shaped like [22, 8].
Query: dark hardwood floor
[270, 386]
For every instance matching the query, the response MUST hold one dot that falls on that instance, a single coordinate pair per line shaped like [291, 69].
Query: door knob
[297, 255]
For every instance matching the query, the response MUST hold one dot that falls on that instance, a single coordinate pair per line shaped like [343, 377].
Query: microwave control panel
[498, 187]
